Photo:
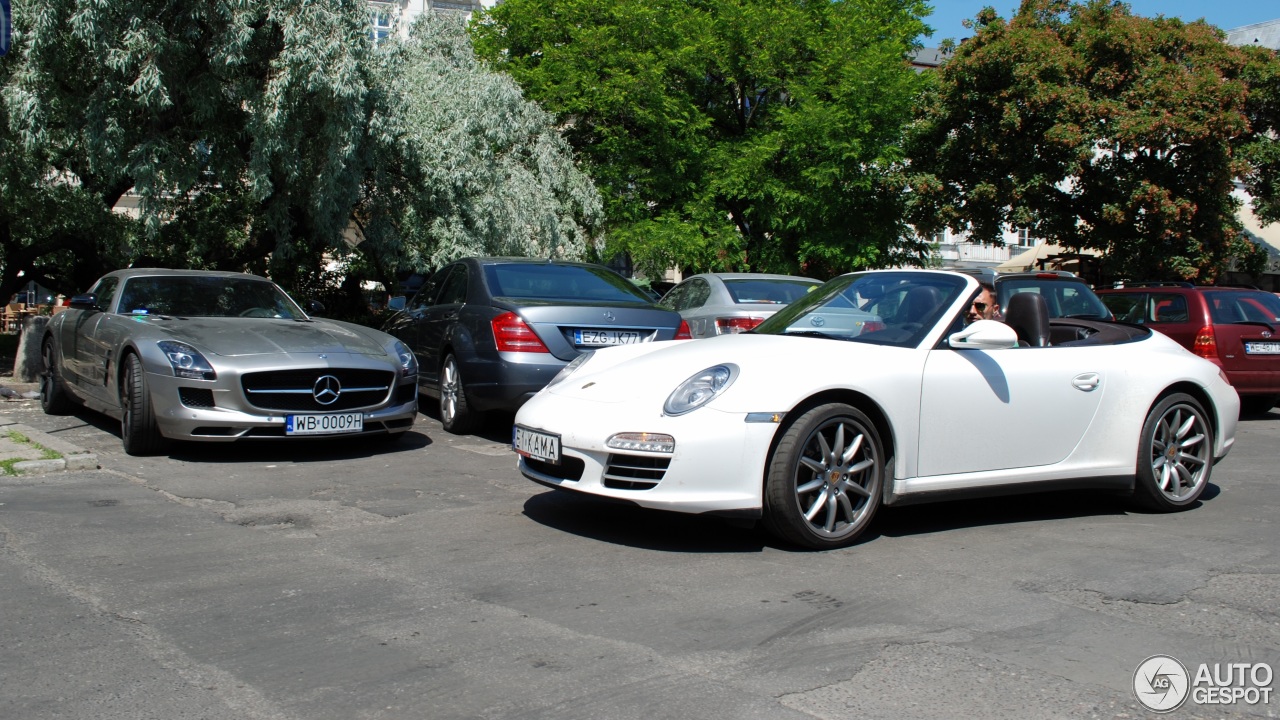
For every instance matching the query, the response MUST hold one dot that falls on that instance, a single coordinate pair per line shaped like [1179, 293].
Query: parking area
[337, 579]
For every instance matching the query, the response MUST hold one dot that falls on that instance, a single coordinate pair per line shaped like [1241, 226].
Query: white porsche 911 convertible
[868, 391]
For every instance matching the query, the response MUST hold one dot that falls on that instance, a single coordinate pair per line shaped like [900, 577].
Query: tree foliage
[727, 134]
[1097, 129]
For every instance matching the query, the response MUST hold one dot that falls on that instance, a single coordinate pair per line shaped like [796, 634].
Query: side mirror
[984, 335]
[397, 303]
[315, 307]
[87, 301]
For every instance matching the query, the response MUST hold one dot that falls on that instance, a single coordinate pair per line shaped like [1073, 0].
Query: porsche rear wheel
[1175, 454]
[456, 415]
[138, 427]
[54, 399]
[824, 480]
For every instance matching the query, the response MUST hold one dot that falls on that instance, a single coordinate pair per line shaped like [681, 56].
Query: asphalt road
[427, 579]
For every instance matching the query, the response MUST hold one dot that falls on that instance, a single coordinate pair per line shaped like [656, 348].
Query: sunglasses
[980, 306]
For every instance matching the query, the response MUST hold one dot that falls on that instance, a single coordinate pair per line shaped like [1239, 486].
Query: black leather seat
[919, 303]
[1028, 315]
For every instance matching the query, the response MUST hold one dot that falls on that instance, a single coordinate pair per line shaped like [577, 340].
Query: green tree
[1096, 129]
[243, 128]
[728, 134]
[480, 170]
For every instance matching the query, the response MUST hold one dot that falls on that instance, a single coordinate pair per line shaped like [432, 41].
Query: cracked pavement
[428, 579]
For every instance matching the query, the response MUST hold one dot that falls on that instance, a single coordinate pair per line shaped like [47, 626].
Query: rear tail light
[1205, 345]
[682, 333]
[731, 325]
[872, 326]
[511, 334]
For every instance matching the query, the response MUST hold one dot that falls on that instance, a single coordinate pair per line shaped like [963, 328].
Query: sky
[1226, 14]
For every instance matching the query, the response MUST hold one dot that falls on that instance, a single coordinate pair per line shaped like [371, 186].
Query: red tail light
[682, 333]
[730, 325]
[872, 326]
[511, 334]
[1205, 345]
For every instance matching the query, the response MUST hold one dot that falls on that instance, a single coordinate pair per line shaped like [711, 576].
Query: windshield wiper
[812, 333]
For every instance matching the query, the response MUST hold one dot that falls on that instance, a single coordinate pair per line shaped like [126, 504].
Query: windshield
[883, 308]
[206, 296]
[544, 281]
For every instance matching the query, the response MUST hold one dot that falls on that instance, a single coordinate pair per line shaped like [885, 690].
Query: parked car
[488, 333]
[812, 427]
[1066, 294]
[219, 356]
[1235, 328]
[723, 303]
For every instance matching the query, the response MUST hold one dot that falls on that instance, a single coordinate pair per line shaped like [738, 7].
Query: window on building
[1024, 238]
[383, 20]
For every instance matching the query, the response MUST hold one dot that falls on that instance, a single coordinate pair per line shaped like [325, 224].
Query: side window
[699, 291]
[105, 289]
[1167, 308]
[454, 290]
[1127, 307]
[427, 293]
[675, 298]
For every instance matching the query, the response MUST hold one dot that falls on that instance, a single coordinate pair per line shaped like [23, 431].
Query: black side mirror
[396, 303]
[315, 307]
[87, 301]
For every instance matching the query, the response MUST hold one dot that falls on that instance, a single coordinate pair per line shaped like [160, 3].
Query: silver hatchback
[726, 303]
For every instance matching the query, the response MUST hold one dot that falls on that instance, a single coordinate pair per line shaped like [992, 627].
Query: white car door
[983, 410]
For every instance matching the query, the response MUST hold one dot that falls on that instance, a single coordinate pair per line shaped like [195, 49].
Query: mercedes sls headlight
[187, 362]
[700, 389]
[571, 368]
[408, 363]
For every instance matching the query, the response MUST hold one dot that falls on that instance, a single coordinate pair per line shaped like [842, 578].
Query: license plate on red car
[1262, 348]
[536, 444]
[606, 337]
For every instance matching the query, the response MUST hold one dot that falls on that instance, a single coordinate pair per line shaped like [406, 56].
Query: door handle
[1088, 382]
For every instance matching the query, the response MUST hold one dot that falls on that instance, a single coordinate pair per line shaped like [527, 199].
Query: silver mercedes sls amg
[220, 356]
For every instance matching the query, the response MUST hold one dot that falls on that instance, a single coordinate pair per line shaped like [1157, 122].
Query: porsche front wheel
[138, 427]
[1175, 454]
[824, 481]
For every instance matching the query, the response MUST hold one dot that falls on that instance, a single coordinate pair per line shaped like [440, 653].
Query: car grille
[195, 397]
[634, 472]
[570, 468]
[294, 390]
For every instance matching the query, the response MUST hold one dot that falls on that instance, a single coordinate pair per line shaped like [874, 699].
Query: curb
[73, 457]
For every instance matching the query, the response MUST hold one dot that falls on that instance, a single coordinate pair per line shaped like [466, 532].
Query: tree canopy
[728, 134]
[1098, 129]
[264, 136]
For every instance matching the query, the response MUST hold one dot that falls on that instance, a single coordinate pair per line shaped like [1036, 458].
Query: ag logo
[1161, 683]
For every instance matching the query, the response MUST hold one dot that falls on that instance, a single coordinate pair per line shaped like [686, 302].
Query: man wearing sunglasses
[984, 306]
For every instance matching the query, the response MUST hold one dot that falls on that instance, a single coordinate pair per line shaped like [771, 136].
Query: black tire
[807, 475]
[1175, 455]
[54, 399]
[138, 427]
[456, 415]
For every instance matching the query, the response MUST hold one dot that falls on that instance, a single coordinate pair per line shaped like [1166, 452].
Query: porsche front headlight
[700, 389]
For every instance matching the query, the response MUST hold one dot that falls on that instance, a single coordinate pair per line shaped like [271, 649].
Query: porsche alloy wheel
[825, 477]
[54, 399]
[1175, 455]
[455, 415]
[138, 427]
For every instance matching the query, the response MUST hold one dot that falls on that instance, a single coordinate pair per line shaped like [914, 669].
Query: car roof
[153, 271]
[753, 276]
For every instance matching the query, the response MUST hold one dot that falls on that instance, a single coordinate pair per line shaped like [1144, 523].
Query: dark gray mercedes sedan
[220, 356]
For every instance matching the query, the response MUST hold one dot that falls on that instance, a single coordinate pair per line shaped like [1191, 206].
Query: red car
[1237, 328]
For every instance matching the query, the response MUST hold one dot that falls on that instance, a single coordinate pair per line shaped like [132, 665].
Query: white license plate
[1262, 348]
[327, 424]
[537, 445]
[606, 337]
